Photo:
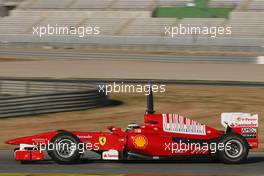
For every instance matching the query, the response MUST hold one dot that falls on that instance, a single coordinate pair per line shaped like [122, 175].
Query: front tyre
[65, 150]
[235, 150]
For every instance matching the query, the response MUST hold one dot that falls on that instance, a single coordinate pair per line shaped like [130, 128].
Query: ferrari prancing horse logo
[102, 140]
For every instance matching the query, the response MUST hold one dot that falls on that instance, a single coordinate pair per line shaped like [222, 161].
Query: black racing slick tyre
[235, 150]
[64, 148]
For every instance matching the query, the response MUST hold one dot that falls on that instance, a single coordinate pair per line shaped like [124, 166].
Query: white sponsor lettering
[237, 119]
[110, 155]
[249, 130]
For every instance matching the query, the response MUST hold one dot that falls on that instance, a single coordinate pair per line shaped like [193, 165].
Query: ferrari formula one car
[161, 137]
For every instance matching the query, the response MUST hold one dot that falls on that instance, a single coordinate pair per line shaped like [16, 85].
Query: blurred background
[136, 25]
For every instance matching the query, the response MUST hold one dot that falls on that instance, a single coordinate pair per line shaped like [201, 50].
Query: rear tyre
[235, 150]
[65, 149]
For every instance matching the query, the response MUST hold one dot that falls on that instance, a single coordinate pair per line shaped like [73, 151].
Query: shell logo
[140, 141]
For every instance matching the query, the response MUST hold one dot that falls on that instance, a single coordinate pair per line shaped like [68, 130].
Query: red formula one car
[162, 136]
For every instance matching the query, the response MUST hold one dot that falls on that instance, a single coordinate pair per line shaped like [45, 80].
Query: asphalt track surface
[64, 54]
[253, 166]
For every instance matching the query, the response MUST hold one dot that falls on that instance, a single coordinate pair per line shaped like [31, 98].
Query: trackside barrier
[19, 97]
[127, 42]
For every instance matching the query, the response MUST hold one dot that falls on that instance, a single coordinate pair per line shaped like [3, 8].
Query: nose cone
[11, 142]
[39, 138]
[16, 141]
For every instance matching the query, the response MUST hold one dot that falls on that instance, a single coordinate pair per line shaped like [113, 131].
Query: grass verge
[200, 10]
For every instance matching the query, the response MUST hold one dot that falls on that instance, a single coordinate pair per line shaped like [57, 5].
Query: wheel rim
[65, 148]
[235, 150]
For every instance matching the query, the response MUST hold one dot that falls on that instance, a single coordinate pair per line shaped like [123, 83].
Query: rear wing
[244, 124]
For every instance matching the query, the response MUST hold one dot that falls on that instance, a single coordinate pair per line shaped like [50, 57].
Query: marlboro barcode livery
[161, 136]
[176, 123]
